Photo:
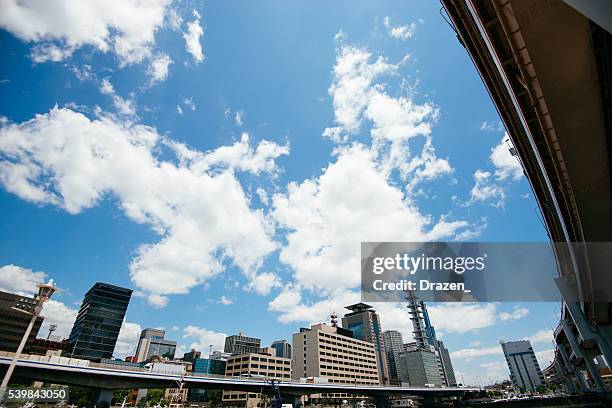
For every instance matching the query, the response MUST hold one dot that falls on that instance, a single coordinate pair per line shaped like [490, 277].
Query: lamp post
[45, 290]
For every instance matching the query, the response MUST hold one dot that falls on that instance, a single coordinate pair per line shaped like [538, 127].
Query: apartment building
[331, 352]
[263, 364]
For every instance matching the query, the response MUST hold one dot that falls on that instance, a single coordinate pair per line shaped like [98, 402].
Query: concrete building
[152, 343]
[525, 371]
[447, 365]
[241, 344]
[419, 367]
[263, 364]
[393, 346]
[191, 355]
[98, 322]
[283, 348]
[332, 353]
[364, 322]
[14, 322]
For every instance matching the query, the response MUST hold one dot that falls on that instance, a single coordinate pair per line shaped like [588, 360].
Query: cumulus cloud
[127, 340]
[203, 338]
[470, 353]
[124, 27]
[542, 336]
[124, 107]
[158, 70]
[64, 158]
[263, 283]
[192, 38]
[516, 314]
[403, 33]
[56, 312]
[491, 187]
[15, 279]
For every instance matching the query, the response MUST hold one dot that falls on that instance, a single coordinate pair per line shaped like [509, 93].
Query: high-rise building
[98, 322]
[525, 371]
[241, 344]
[283, 348]
[13, 323]
[447, 365]
[364, 322]
[215, 365]
[393, 346]
[419, 367]
[263, 364]
[331, 352]
[152, 343]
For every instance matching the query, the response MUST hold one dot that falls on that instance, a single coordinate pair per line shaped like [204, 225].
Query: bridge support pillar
[588, 359]
[100, 398]
[294, 400]
[571, 368]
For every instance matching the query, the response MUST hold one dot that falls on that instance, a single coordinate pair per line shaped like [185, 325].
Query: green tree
[78, 396]
[120, 395]
[155, 396]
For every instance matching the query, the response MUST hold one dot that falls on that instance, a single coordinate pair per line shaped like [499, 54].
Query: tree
[79, 396]
[155, 396]
[120, 395]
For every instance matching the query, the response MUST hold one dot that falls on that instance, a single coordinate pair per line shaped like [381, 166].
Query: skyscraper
[525, 371]
[241, 344]
[363, 321]
[97, 325]
[447, 365]
[152, 343]
[393, 346]
[283, 348]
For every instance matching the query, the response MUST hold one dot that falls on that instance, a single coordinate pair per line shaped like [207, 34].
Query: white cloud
[506, 165]
[192, 38]
[485, 189]
[56, 312]
[189, 102]
[15, 279]
[340, 36]
[59, 27]
[545, 357]
[463, 317]
[238, 118]
[157, 301]
[125, 107]
[263, 196]
[179, 109]
[263, 283]
[158, 70]
[127, 339]
[204, 338]
[74, 162]
[403, 33]
[495, 371]
[470, 353]
[542, 336]
[223, 300]
[516, 314]
[491, 127]
[327, 218]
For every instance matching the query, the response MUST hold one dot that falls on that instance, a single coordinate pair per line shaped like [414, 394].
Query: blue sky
[225, 159]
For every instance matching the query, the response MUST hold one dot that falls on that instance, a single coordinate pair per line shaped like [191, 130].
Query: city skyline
[176, 105]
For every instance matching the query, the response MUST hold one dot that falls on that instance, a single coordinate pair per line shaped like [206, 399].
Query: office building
[263, 364]
[15, 322]
[525, 371]
[330, 352]
[241, 344]
[152, 343]
[393, 346]
[98, 322]
[364, 322]
[447, 365]
[419, 368]
[283, 348]
[191, 356]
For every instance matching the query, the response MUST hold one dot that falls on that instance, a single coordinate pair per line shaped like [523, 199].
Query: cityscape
[271, 204]
[353, 350]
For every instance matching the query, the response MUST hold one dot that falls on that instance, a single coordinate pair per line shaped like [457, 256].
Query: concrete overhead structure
[548, 68]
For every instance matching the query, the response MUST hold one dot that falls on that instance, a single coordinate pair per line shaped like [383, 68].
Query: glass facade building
[98, 322]
[283, 348]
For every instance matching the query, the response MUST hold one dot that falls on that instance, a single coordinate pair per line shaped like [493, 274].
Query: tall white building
[525, 371]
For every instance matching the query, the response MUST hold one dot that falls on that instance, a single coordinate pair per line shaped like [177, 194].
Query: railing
[76, 362]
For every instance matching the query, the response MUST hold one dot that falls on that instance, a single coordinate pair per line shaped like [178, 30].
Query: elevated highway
[547, 65]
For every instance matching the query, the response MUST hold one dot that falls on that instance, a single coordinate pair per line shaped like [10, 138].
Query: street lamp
[45, 290]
